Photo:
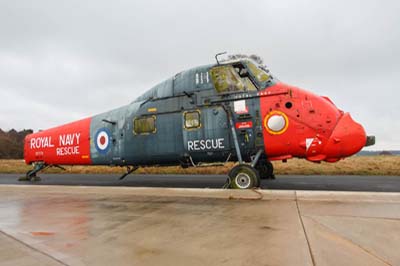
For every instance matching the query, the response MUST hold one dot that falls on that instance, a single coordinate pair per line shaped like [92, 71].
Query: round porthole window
[276, 122]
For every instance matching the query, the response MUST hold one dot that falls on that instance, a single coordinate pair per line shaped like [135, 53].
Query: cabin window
[260, 75]
[248, 84]
[144, 125]
[226, 79]
[192, 119]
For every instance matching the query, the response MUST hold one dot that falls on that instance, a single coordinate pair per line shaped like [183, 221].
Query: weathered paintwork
[281, 120]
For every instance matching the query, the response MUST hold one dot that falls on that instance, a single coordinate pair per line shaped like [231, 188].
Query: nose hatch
[347, 138]
[370, 141]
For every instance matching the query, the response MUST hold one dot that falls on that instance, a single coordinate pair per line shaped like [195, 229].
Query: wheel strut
[31, 174]
[129, 170]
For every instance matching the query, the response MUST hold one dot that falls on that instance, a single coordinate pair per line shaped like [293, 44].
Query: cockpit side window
[245, 76]
[226, 79]
[249, 85]
[260, 75]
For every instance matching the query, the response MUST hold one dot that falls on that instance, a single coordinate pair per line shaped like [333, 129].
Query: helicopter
[234, 110]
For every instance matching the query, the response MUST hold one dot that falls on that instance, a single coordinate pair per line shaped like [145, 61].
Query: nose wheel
[244, 176]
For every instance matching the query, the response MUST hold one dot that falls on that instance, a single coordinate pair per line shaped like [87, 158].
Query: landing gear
[129, 170]
[37, 167]
[266, 169]
[31, 174]
[244, 176]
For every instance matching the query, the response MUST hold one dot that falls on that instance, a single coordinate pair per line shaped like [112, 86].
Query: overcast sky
[65, 60]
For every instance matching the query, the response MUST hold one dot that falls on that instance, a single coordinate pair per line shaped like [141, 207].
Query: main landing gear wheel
[266, 169]
[243, 176]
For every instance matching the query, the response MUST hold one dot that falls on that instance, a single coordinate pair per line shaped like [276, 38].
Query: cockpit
[240, 76]
[227, 77]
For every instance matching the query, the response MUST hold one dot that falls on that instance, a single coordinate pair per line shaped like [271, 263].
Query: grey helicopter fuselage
[231, 111]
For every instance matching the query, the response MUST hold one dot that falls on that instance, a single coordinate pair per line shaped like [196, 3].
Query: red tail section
[67, 144]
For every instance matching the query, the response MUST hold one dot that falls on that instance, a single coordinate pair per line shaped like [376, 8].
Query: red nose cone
[347, 138]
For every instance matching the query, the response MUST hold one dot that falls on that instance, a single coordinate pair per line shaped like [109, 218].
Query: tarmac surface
[331, 183]
[111, 222]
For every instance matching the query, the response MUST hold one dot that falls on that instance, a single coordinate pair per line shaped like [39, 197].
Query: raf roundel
[103, 140]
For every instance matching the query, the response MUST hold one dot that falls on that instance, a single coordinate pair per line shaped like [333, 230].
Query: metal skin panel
[163, 89]
[211, 141]
[184, 81]
[249, 137]
[118, 128]
[67, 144]
[164, 146]
[195, 79]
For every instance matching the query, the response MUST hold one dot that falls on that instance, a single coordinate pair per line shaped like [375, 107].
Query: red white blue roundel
[103, 140]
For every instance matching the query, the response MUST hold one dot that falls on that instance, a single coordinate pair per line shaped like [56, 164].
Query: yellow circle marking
[273, 113]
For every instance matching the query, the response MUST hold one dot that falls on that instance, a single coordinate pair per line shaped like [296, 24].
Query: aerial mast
[216, 56]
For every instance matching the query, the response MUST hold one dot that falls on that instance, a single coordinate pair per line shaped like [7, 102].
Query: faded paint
[215, 92]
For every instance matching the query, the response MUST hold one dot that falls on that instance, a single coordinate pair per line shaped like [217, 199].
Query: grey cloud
[63, 60]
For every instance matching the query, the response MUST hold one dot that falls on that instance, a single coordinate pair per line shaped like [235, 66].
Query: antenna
[216, 56]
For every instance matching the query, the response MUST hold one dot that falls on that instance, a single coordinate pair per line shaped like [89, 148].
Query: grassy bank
[356, 165]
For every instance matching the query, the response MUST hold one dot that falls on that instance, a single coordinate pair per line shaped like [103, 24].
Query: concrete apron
[61, 225]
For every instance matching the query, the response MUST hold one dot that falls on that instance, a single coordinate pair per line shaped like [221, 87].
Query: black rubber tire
[35, 179]
[27, 176]
[244, 176]
[265, 169]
